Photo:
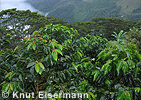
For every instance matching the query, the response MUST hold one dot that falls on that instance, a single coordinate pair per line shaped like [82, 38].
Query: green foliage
[120, 63]
[22, 23]
[134, 37]
[41, 61]
[84, 10]
[91, 45]
[104, 26]
[56, 58]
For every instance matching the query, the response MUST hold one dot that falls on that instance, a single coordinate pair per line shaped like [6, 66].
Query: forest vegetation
[85, 10]
[101, 56]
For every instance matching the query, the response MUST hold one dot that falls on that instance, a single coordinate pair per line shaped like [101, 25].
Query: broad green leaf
[72, 88]
[79, 53]
[107, 69]
[8, 74]
[44, 41]
[131, 64]
[93, 59]
[32, 70]
[69, 73]
[7, 87]
[40, 72]
[28, 47]
[100, 55]
[60, 46]
[4, 87]
[41, 65]
[125, 67]
[15, 49]
[11, 75]
[9, 35]
[20, 86]
[120, 95]
[120, 47]
[94, 72]
[35, 32]
[83, 82]
[63, 75]
[107, 55]
[37, 68]
[138, 89]
[107, 82]
[119, 65]
[76, 68]
[11, 86]
[93, 96]
[139, 56]
[115, 56]
[61, 79]
[49, 60]
[0, 52]
[53, 44]
[8, 41]
[59, 51]
[120, 33]
[31, 64]
[84, 59]
[128, 95]
[96, 75]
[47, 36]
[128, 55]
[103, 67]
[34, 46]
[15, 85]
[3, 83]
[136, 70]
[20, 77]
[9, 91]
[55, 55]
[46, 50]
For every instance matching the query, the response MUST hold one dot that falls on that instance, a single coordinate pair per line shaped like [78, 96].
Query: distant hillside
[84, 10]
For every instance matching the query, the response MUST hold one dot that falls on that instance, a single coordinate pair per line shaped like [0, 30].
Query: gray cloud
[19, 4]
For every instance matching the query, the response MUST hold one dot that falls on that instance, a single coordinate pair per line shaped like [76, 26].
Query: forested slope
[84, 10]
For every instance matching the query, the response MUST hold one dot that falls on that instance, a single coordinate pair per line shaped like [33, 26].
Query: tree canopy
[102, 61]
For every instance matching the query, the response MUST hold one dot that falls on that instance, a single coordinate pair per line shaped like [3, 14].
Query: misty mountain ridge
[84, 10]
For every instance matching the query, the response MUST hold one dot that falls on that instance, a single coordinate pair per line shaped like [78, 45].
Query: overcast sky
[19, 4]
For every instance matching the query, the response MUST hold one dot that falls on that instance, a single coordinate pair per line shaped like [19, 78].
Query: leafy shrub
[55, 58]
